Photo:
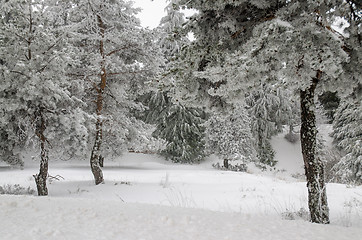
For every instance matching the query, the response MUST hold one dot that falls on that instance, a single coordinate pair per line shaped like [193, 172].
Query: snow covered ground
[145, 197]
[71, 218]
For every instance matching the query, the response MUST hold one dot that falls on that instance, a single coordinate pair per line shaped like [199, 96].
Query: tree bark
[96, 151]
[41, 178]
[314, 167]
[226, 163]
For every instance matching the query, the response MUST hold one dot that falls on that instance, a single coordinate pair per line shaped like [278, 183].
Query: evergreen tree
[262, 104]
[180, 126]
[116, 58]
[330, 102]
[184, 134]
[170, 31]
[243, 44]
[347, 134]
[287, 111]
[35, 94]
[229, 136]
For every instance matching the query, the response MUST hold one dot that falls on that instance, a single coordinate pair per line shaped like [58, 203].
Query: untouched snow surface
[145, 198]
[69, 218]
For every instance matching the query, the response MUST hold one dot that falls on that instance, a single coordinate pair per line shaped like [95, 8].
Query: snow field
[128, 205]
[69, 218]
[147, 198]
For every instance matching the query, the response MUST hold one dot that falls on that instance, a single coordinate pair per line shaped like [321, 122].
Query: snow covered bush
[16, 189]
[302, 213]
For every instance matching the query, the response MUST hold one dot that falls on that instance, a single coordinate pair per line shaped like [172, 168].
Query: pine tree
[184, 134]
[180, 126]
[289, 43]
[117, 57]
[35, 93]
[330, 102]
[262, 104]
[229, 136]
[347, 134]
[170, 31]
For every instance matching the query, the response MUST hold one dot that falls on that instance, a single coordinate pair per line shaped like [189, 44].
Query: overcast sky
[152, 11]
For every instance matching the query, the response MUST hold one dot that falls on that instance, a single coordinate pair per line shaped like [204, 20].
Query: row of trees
[81, 77]
[70, 74]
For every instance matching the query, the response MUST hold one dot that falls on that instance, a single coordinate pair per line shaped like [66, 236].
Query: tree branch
[128, 72]
[20, 73]
[120, 49]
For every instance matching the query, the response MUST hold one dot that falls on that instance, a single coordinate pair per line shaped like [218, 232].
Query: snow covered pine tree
[179, 125]
[243, 44]
[229, 136]
[347, 134]
[35, 92]
[116, 59]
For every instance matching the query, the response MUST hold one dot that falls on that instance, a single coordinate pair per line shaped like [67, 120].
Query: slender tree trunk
[41, 178]
[96, 151]
[96, 154]
[314, 167]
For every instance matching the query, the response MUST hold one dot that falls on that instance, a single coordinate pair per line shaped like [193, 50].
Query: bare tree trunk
[226, 163]
[40, 179]
[96, 151]
[96, 154]
[314, 167]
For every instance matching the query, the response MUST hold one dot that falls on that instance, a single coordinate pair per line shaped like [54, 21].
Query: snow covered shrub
[228, 135]
[16, 189]
[237, 166]
[292, 137]
[302, 213]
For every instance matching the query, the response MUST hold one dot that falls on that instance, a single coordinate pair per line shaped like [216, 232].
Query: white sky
[152, 12]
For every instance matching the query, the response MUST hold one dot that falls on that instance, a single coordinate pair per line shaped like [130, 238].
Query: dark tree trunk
[314, 167]
[41, 178]
[226, 163]
[96, 153]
